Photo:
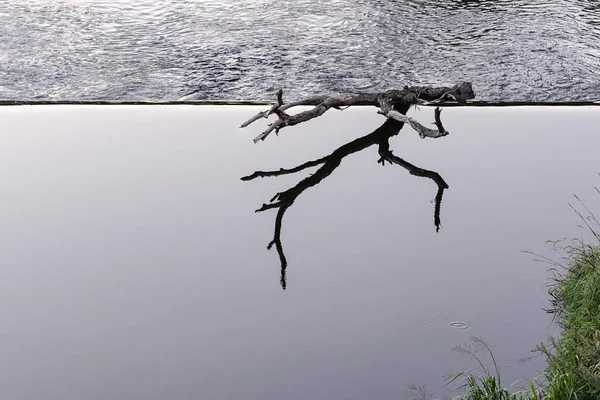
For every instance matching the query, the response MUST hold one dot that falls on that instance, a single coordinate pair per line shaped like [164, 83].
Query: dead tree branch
[393, 104]
[385, 101]
[422, 130]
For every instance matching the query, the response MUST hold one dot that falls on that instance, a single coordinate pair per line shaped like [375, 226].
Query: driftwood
[386, 102]
[393, 104]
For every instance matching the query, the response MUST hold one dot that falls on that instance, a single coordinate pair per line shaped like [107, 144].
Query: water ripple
[244, 49]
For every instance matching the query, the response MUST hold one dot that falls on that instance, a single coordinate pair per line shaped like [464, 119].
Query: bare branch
[393, 104]
[263, 114]
[386, 101]
[318, 110]
[274, 126]
[313, 101]
[282, 171]
[423, 131]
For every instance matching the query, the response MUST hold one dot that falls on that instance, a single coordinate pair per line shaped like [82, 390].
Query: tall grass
[573, 359]
[484, 383]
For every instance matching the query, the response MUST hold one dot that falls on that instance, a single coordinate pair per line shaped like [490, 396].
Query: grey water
[512, 50]
[133, 265]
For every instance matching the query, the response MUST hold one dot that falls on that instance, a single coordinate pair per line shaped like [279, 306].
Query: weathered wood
[385, 101]
[422, 130]
[393, 104]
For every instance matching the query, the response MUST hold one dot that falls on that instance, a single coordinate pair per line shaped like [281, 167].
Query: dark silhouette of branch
[394, 105]
[278, 245]
[282, 171]
[386, 155]
[284, 200]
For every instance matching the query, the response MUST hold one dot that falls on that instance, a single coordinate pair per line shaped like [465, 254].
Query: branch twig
[422, 130]
[393, 104]
[282, 171]
[386, 101]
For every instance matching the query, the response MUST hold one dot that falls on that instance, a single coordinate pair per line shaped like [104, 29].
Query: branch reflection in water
[282, 201]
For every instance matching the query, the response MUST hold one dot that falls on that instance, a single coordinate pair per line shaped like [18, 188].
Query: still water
[134, 266]
[534, 50]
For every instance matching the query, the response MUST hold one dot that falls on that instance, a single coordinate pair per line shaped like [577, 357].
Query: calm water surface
[533, 50]
[134, 266]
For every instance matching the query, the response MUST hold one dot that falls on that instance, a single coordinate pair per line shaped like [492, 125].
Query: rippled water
[244, 49]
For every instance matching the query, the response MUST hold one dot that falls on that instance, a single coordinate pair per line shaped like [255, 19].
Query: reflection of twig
[284, 200]
[326, 165]
[277, 242]
[386, 155]
[281, 171]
